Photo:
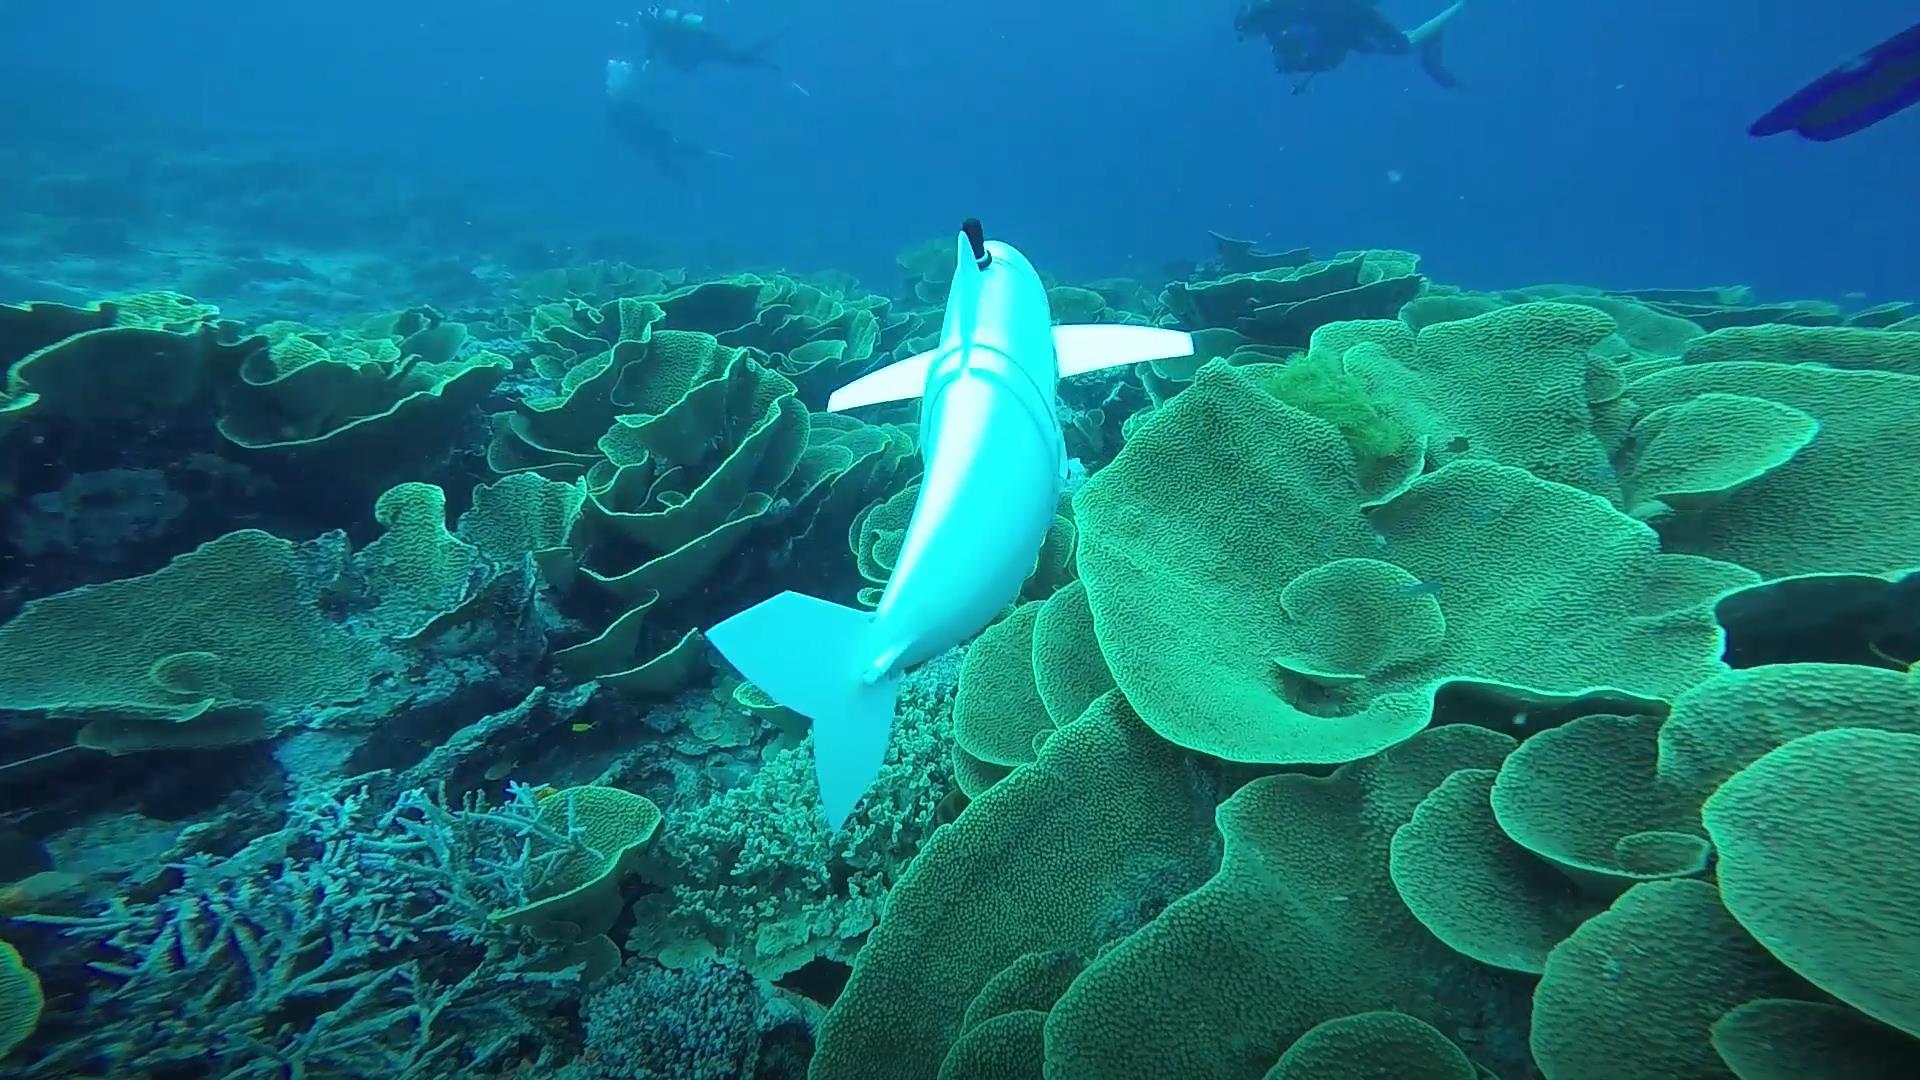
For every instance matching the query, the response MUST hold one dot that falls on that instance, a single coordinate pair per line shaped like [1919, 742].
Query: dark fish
[1856, 95]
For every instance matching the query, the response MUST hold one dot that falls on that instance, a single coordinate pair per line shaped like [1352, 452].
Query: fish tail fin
[1426, 40]
[804, 653]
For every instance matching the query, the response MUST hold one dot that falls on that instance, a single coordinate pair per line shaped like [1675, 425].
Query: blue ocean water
[986, 542]
[1599, 143]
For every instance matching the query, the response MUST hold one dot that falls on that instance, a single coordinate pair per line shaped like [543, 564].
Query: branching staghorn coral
[350, 942]
[712, 1021]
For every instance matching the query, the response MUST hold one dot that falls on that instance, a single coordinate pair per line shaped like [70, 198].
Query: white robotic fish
[995, 463]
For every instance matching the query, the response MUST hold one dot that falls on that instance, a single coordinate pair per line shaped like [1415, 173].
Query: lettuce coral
[21, 1000]
[1067, 854]
[684, 447]
[1832, 895]
[1414, 688]
[1189, 583]
[220, 635]
[1301, 925]
[1840, 503]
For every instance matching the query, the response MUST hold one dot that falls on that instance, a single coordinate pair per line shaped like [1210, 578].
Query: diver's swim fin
[1078, 348]
[1426, 39]
[801, 651]
[1854, 96]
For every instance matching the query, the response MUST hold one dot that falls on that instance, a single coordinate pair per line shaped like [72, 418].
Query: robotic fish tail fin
[804, 653]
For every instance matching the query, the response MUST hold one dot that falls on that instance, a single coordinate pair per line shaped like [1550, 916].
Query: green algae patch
[1320, 385]
[1522, 385]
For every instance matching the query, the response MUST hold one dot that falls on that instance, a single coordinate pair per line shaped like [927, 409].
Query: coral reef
[753, 875]
[1645, 886]
[711, 1021]
[348, 942]
[1416, 681]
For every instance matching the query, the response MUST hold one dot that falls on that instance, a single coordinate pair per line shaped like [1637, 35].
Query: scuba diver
[1312, 37]
[641, 127]
[682, 40]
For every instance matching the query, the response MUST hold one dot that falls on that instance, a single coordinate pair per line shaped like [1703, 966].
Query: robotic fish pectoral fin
[1083, 347]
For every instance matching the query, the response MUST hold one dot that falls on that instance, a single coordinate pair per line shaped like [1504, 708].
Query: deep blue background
[1596, 142]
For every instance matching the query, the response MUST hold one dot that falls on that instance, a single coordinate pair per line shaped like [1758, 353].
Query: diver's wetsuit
[1312, 37]
[682, 40]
